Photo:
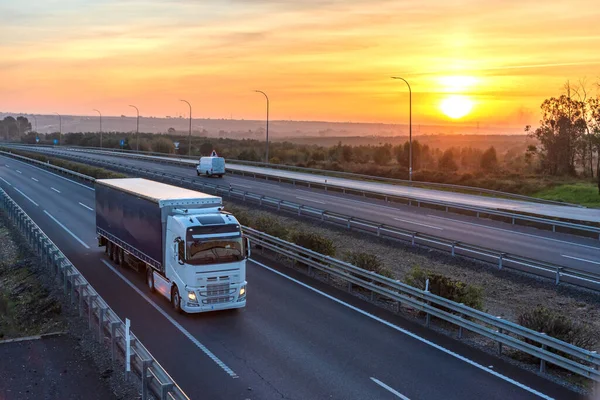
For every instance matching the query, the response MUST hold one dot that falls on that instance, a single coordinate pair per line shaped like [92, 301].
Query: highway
[296, 339]
[521, 206]
[558, 248]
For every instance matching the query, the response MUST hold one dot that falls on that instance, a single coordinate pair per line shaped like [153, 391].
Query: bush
[448, 288]
[271, 226]
[314, 242]
[557, 326]
[369, 262]
[242, 216]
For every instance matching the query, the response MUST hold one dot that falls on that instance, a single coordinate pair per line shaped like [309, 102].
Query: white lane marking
[19, 171]
[7, 165]
[89, 208]
[56, 190]
[418, 223]
[408, 333]
[515, 232]
[175, 323]
[5, 181]
[52, 173]
[581, 259]
[340, 200]
[35, 179]
[27, 197]
[307, 199]
[389, 389]
[67, 230]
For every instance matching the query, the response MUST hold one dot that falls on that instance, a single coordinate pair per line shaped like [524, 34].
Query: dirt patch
[506, 293]
[27, 308]
[32, 303]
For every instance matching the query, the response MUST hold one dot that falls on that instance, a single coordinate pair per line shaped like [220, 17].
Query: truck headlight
[192, 297]
[243, 291]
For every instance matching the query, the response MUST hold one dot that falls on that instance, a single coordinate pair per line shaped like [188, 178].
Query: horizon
[327, 61]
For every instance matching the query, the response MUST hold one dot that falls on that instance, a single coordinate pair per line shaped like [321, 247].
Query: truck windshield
[215, 250]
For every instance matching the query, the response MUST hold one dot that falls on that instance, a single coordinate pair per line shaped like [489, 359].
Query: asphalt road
[547, 210]
[558, 248]
[296, 339]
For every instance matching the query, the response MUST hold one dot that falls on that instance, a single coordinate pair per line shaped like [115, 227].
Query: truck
[192, 251]
[211, 166]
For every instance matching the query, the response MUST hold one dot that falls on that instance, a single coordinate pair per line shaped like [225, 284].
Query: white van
[211, 166]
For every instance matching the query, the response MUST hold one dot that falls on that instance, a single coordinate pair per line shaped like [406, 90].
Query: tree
[206, 148]
[446, 162]
[561, 128]
[382, 154]
[163, 145]
[489, 160]
[402, 153]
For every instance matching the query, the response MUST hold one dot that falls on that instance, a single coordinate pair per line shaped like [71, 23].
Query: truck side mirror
[180, 251]
[247, 243]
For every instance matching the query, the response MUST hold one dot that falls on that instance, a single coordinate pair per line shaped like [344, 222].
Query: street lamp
[190, 135]
[267, 150]
[60, 127]
[99, 113]
[137, 129]
[410, 127]
[35, 120]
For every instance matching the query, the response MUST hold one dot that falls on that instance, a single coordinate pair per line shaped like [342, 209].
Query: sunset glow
[456, 106]
[470, 61]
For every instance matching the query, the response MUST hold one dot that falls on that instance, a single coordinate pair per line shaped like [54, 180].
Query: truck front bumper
[205, 304]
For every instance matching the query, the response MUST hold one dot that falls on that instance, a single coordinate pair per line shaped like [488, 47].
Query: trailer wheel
[121, 257]
[115, 254]
[111, 251]
[176, 299]
[150, 278]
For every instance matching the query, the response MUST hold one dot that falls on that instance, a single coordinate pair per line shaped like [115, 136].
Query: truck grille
[218, 300]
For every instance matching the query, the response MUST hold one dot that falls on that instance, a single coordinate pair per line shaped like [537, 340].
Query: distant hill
[255, 129]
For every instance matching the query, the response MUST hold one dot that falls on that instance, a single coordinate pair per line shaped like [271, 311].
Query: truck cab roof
[217, 218]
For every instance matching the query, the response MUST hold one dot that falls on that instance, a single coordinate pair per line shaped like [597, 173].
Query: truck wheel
[197, 172]
[150, 279]
[176, 299]
[111, 250]
[121, 257]
[207, 173]
[116, 251]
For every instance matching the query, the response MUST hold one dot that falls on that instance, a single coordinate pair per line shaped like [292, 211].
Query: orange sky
[317, 59]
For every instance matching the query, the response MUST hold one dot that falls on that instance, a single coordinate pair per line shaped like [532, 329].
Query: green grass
[582, 193]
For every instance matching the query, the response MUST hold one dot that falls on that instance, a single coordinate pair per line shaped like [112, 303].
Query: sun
[456, 106]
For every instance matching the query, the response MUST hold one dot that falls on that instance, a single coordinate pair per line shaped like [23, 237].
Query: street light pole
[99, 113]
[410, 127]
[267, 150]
[190, 135]
[137, 129]
[60, 128]
[35, 120]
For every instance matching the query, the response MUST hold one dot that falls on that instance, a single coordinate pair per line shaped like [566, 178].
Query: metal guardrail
[556, 272]
[511, 217]
[102, 320]
[505, 333]
[316, 171]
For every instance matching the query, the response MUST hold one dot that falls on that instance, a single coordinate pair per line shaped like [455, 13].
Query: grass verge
[582, 193]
